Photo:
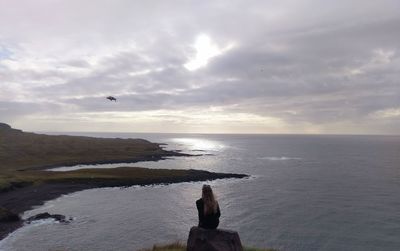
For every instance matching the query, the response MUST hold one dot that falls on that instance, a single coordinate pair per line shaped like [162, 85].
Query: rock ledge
[213, 240]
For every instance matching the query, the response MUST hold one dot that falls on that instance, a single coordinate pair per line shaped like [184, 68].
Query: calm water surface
[305, 193]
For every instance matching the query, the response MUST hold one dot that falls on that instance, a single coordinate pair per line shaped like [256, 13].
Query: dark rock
[4, 126]
[213, 240]
[8, 216]
[42, 216]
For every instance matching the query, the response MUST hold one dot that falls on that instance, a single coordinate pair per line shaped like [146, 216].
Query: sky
[300, 66]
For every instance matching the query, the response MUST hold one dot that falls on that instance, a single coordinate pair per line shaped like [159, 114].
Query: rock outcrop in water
[43, 216]
[213, 240]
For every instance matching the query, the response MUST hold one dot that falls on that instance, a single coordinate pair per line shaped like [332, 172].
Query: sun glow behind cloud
[205, 50]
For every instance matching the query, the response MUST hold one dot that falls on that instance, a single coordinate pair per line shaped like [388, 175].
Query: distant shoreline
[154, 158]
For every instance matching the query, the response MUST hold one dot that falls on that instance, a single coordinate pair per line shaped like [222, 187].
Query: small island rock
[42, 216]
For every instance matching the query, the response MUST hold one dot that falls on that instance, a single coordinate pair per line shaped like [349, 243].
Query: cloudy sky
[201, 66]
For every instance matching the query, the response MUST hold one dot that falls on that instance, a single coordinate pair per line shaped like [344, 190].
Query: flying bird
[111, 98]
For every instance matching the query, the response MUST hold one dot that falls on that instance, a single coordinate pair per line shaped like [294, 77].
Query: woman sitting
[208, 209]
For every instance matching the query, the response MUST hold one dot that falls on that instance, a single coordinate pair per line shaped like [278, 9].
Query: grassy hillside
[23, 156]
[121, 176]
[22, 150]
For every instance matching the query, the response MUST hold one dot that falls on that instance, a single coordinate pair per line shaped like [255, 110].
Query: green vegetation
[20, 150]
[24, 156]
[121, 176]
[177, 246]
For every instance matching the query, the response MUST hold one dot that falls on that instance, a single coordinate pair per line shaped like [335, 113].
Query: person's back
[208, 209]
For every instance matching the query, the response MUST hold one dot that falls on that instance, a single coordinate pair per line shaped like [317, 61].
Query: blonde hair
[210, 203]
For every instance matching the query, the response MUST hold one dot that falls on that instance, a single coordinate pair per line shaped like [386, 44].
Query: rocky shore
[25, 183]
[24, 198]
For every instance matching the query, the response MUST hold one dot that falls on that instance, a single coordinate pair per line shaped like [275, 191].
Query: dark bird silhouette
[111, 98]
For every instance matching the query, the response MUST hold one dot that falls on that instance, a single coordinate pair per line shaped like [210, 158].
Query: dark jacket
[209, 221]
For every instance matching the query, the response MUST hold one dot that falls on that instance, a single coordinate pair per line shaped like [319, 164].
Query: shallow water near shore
[304, 193]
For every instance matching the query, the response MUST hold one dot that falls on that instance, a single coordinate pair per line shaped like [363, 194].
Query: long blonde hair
[210, 203]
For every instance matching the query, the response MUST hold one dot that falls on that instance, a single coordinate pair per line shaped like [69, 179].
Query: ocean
[305, 192]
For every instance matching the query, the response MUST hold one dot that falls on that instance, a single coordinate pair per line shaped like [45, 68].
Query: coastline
[19, 200]
[25, 156]
[156, 157]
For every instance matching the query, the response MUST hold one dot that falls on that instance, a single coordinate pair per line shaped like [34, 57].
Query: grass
[97, 177]
[21, 150]
[4, 184]
[10, 180]
[178, 246]
[24, 156]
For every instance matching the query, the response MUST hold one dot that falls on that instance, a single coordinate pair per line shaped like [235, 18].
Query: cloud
[259, 66]
[205, 50]
[387, 113]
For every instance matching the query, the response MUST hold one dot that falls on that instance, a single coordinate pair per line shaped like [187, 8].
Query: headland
[25, 156]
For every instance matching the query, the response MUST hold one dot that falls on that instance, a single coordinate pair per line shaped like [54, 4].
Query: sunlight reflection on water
[195, 144]
[190, 145]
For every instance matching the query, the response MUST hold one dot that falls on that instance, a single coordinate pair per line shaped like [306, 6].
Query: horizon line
[222, 133]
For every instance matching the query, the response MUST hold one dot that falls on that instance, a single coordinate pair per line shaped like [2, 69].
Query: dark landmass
[25, 183]
[42, 216]
[26, 151]
[40, 186]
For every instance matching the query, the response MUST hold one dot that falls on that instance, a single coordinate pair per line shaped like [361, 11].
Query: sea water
[304, 193]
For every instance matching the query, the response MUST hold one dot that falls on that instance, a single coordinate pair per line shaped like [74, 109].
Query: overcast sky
[201, 66]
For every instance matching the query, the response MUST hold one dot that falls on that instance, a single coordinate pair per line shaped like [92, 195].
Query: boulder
[42, 216]
[201, 239]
